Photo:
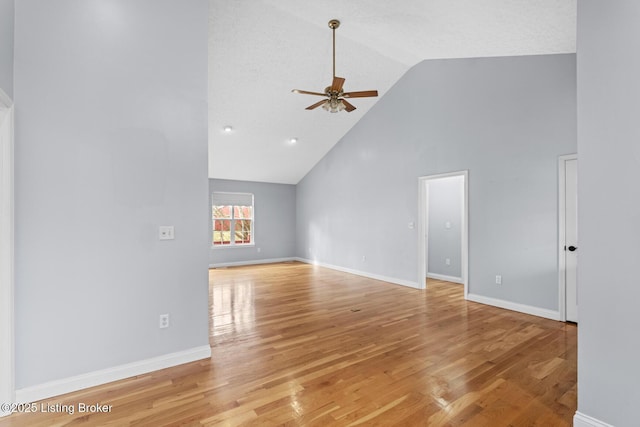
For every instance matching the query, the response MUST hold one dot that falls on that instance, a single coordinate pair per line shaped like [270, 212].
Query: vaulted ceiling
[259, 50]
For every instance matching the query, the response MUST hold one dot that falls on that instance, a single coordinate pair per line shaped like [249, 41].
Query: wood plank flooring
[299, 345]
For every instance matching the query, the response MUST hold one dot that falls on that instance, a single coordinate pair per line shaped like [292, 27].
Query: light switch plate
[166, 232]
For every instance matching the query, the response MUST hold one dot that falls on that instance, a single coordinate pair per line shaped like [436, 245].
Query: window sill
[217, 247]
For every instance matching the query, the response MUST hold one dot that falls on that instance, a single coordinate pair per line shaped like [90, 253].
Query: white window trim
[253, 219]
[244, 245]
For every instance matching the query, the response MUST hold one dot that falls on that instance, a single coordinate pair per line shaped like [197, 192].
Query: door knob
[572, 248]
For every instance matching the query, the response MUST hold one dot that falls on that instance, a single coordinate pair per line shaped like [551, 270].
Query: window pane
[244, 212]
[243, 237]
[222, 232]
[243, 231]
[222, 212]
[243, 225]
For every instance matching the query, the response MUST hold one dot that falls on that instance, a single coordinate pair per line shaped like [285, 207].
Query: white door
[571, 238]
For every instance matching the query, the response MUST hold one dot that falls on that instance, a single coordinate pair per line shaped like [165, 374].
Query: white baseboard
[103, 376]
[445, 278]
[252, 262]
[362, 273]
[522, 308]
[582, 420]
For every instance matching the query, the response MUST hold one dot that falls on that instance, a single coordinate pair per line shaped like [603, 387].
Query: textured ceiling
[261, 49]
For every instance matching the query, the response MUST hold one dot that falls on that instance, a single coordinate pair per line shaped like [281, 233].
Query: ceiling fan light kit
[335, 94]
[333, 105]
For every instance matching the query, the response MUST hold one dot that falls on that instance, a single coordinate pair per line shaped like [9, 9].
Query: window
[232, 215]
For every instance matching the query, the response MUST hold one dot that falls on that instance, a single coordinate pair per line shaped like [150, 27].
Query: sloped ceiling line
[261, 49]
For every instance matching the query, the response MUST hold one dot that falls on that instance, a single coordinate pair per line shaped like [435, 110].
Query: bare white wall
[6, 45]
[609, 216]
[111, 142]
[506, 120]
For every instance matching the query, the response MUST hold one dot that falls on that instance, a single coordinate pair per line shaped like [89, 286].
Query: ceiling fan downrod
[333, 24]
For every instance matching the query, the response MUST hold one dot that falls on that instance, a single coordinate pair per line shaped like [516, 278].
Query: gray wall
[609, 217]
[445, 206]
[506, 120]
[6, 45]
[274, 215]
[111, 142]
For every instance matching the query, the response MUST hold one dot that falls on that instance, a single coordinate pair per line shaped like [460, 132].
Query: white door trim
[423, 215]
[562, 288]
[7, 341]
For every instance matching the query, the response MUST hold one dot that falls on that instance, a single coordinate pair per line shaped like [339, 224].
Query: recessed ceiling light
[228, 129]
[293, 140]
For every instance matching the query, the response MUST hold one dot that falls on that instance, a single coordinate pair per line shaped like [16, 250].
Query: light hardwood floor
[295, 344]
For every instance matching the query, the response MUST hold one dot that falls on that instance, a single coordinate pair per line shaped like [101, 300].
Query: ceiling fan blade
[348, 106]
[306, 92]
[337, 84]
[361, 94]
[316, 105]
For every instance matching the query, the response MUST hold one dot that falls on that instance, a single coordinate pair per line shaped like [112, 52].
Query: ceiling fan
[335, 94]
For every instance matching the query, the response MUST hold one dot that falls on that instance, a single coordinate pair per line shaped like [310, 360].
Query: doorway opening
[443, 248]
[7, 385]
[568, 237]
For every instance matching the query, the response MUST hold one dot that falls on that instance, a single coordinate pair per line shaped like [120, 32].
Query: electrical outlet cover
[166, 232]
[163, 321]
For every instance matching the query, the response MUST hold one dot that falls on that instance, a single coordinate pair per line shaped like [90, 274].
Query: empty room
[330, 214]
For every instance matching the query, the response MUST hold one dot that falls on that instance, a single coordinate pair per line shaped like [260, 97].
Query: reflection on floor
[295, 344]
[328, 348]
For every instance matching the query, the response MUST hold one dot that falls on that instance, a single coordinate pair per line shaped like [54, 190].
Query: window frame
[231, 199]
